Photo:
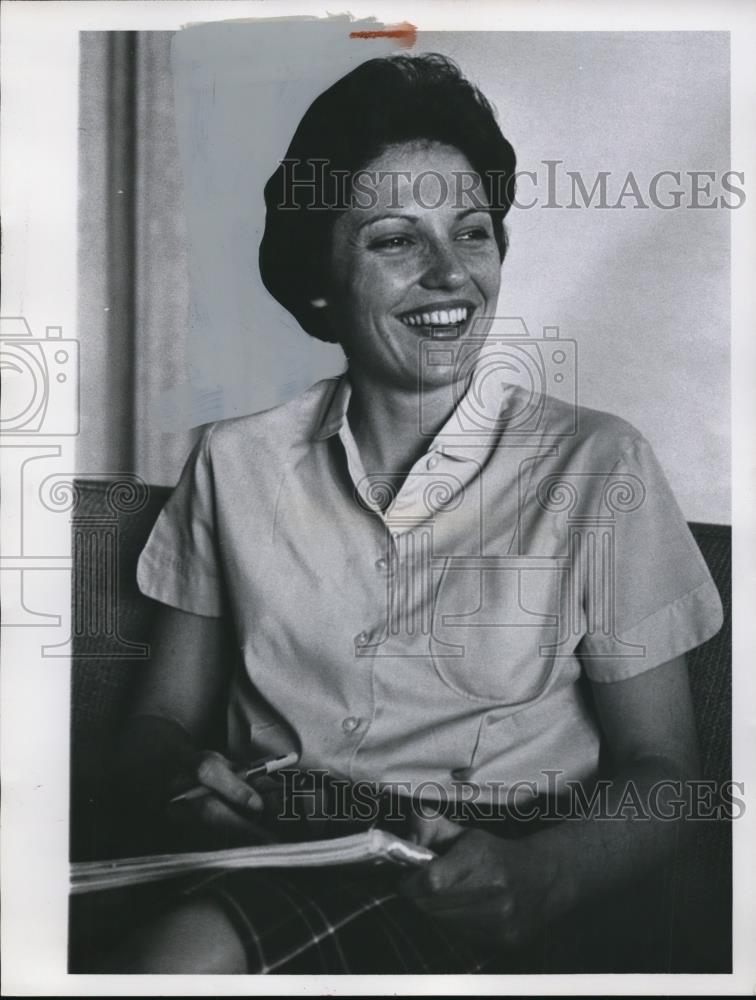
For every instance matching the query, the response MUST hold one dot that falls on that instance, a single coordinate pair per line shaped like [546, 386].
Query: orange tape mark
[404, 32]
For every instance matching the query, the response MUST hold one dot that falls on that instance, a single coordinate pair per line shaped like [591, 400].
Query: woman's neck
[385, 422]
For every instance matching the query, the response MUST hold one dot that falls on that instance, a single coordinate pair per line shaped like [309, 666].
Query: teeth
[438, 317]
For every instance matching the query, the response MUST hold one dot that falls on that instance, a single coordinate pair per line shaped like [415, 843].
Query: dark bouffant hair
[380, 103]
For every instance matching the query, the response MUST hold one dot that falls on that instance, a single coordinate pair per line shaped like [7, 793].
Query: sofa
[111, 520]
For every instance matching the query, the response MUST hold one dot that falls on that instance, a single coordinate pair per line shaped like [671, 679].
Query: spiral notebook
[372, 846]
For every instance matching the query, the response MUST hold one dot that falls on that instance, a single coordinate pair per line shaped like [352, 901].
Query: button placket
[385, 563]
[386, 554]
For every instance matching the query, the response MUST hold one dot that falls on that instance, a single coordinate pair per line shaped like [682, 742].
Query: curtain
[133, 296]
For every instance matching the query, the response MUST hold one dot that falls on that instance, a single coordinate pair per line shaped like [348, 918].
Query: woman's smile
[438, 314]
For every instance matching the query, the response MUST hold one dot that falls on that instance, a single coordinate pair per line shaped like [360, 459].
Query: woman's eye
[392, 243]
[479, 233]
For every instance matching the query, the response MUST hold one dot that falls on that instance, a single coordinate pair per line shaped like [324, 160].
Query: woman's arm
[507, 889]
[649, 727]
[177, 696]
[162, 749]
[189, 670]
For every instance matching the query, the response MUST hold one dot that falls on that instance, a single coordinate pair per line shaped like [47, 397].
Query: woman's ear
[321, 321]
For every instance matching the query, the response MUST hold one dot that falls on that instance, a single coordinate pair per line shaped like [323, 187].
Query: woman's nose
[443, 268]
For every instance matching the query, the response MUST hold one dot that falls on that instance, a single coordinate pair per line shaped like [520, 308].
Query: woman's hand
[494, 890]
[432, 831]
[229, 816]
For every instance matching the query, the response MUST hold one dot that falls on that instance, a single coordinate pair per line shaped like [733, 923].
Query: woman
[420, 570]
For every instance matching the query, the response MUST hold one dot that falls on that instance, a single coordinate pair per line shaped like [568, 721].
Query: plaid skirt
[353, 919]
[335, 920]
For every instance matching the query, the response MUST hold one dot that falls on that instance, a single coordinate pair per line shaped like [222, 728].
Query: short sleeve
[179, 565]
[653, 598]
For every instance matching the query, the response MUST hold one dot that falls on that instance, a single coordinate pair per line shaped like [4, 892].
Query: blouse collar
[477, 421]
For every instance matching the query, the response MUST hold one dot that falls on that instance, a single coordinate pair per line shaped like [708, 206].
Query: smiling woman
[469, 611]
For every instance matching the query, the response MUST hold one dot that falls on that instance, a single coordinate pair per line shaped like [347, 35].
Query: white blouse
[436, 631]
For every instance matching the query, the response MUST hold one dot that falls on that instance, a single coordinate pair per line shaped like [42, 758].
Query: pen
[257, 770]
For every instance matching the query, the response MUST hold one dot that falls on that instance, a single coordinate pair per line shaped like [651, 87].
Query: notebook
[371, 846]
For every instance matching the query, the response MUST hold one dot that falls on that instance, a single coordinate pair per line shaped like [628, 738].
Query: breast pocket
[495, 626]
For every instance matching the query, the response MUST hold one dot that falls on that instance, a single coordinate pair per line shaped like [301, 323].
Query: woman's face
[419, 260]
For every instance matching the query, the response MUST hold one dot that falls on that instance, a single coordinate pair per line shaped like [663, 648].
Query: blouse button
[349, 725]
[432, 462]
[461, 773]
[381, 564]
[361, 639]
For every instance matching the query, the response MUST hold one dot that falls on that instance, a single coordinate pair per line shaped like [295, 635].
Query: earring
[318, 303]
